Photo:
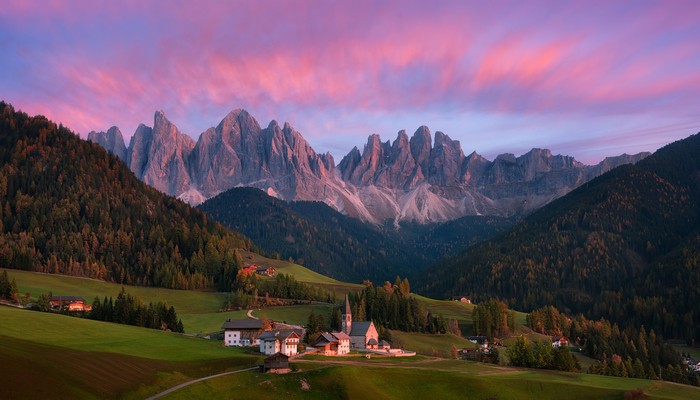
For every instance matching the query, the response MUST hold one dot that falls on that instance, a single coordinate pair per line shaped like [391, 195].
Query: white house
[560, 341]
[242, 332]
[333, 344]
[280, 341]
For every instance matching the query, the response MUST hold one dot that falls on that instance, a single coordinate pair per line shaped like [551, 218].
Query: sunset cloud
[543, 69]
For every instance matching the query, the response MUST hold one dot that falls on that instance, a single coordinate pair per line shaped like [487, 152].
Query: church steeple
[347, 317]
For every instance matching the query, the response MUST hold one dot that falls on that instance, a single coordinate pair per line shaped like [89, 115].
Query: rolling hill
[623, 246]
[339, 246]
[70, 207]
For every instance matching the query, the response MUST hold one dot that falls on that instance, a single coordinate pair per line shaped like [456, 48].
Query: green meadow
[427, 381]
[55, 356]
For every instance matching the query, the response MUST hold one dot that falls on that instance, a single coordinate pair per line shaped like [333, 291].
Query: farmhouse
[480, 340]
[463, 299]
[276, 364]
[264, 270]
[70, 303]
[333, 344]
[363, 334]
[283, 341]
[242, 332]
[249, 269]
[559, 341]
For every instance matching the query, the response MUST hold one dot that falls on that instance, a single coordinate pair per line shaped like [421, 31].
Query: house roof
[277, 356]
[66, 298]
[340, 335]
[360, 328]
[325, 338]
[281, 334]
[372, 341]
[239, 324]
[559, 338]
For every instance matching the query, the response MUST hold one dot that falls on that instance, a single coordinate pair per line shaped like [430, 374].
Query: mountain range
[417, 179]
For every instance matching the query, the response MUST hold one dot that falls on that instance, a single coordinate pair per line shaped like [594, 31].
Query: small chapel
[363, 334]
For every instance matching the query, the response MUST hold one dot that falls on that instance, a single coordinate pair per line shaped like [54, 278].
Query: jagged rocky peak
[420, 149]
[446, 157]
[112, 141]
[349, 163]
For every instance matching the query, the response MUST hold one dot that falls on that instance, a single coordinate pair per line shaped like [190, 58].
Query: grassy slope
[304, 274]
[431, 345]
[56, 356]
[197, 309]
[428, 381]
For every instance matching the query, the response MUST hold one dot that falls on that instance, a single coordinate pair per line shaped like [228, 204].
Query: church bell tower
[347, 318]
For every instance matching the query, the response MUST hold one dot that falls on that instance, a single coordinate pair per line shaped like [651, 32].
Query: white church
[363, 334]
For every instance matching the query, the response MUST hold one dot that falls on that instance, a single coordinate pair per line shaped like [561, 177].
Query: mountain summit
[415, 180]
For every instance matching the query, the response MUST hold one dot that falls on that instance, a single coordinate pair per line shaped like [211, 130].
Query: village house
[264, 270]
[463, 299]
[333, 344]
[276, 364]
[560, 341]
[283, 341]
[70, 303]
[249, 269]
[482, 341]
[242, 332]
[363, 334]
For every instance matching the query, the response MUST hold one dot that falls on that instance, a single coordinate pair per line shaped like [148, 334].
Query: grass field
[430, 345]
[427, 381]
[55, 356]
[294, 314]
[303, 274]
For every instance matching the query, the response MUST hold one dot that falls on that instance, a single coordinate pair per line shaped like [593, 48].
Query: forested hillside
[336, 245]
[624, 246]
[67, 206]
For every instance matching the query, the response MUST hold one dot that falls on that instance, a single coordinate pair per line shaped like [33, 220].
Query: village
[282, 342]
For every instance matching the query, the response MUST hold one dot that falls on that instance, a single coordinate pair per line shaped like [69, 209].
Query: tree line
[130, 310]
[629, 352]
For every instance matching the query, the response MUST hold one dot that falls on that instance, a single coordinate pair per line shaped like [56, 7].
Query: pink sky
[584, 78]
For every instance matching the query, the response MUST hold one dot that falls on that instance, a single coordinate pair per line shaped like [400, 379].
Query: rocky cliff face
[417, 179]
[112, 140]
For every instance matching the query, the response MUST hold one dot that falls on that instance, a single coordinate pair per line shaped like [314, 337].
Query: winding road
[182, 385]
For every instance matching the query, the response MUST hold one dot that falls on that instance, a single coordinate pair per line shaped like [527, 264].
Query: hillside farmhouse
[560, 341]
[267, 271]
[276, 364]
[250, 269]
[363, 334]
[462, 299]
[70, 303]
[333, 344]
[283, 341]
[242, 332]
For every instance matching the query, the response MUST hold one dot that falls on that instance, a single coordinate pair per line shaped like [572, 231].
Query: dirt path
[182, 385]
[250, 315]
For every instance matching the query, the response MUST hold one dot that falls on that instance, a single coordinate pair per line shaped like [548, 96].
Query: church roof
[347, 305]
[360, 328]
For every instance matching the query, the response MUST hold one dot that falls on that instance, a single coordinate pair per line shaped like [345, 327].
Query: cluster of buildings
[70, 303]
[264, 270]
[358, 335]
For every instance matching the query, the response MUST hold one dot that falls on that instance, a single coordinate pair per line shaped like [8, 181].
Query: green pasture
[427, 381]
